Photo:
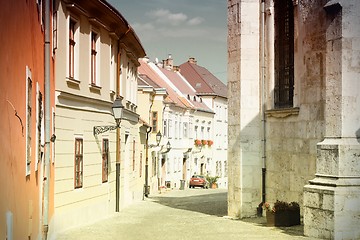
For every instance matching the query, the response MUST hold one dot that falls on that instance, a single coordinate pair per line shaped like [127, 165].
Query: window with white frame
[186, 130]
[128, 83]
[54, 30]
[165, 128]
[170, 135]
[73, 48]
[112, 65]
[191, 134]
[176, 130]
[95, 58]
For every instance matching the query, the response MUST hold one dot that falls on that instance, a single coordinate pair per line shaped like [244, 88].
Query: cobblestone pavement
[180, 215]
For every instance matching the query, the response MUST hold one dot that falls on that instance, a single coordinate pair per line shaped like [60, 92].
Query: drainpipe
[118, 132]
[263, 104]
[47, 120]
[146, 190]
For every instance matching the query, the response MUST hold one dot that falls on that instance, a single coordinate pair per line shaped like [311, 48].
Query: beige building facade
[95, 63]
[293, 111]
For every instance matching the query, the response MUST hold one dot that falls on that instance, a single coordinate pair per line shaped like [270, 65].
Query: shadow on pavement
[216, 204]
[297, 230]
[211, 204]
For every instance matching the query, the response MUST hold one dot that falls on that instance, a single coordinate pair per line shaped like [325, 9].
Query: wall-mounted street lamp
[168, 147]
[117, 110]
[158, 140]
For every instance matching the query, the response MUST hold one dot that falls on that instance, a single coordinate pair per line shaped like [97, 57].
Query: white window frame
[76, 47]
[112, 66]
[97, 81]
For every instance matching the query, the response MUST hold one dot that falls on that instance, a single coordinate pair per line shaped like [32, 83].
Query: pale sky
[182, 28]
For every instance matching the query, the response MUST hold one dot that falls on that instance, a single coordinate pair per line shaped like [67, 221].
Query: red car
[198, 181]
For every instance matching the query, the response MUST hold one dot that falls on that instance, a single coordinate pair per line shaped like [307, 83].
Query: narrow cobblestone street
[188, 214]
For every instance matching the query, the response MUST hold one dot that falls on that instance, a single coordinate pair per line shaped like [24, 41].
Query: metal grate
[284, 54]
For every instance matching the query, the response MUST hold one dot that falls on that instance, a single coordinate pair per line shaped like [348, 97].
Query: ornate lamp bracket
[101, 129]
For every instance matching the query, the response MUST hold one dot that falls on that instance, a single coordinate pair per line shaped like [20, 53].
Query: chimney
[169, 63]
[192, 60]
[176, 69]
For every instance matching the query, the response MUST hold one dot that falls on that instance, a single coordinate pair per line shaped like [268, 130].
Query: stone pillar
[244, 120]
[332, 199]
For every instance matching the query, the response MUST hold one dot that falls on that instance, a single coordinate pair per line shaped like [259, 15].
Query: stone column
[332, 199]
[244, 120]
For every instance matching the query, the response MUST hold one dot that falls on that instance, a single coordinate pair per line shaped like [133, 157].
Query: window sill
[72, 81]
[282, 112]
[94, 88]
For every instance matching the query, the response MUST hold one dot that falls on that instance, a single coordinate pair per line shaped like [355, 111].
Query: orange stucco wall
[21, 45]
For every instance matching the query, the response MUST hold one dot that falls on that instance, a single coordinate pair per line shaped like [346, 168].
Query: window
[140, 170]
[133, 155]
[54, 33]
[170, 133]
[28, 119]
[154, 165]
[39, 126]
[105, 160]
[94, 40]
[165, 128]
[284, 54]
[72, 43]
[176, 130]
[78, 169]
[154, 119]
[191, 129]
[186, 130]
[112, 66]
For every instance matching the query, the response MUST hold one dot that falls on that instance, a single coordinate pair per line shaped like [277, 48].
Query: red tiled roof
[181, 84]
[145, 80]
[203, 81]
[172, 97]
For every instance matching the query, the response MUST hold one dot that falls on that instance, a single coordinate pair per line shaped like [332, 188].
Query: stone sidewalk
[194, 214]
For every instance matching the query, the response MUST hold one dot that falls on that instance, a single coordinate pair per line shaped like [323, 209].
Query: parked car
[198, 181]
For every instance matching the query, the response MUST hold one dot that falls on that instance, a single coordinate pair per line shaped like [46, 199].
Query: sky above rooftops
[182, 28]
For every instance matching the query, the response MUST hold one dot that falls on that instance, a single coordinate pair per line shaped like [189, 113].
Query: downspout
[118, 132]
[263, 103]
[47, 120]
[146, 190]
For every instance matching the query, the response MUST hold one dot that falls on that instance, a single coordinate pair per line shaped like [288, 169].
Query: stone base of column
[332, 199]
[332, 212]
